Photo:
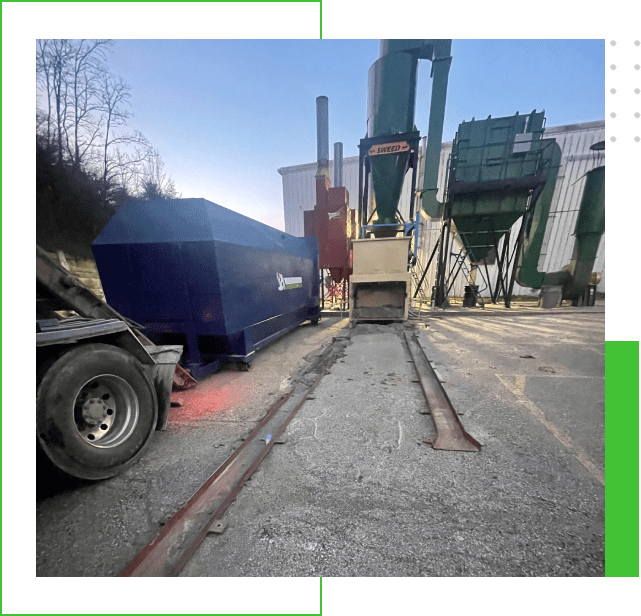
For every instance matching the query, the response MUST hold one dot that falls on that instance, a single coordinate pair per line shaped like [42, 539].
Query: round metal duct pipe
[338, 164]
[322, 135]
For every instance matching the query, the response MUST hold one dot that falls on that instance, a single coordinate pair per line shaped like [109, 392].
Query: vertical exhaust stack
[322, 136]
[331, 221]
[338, 164]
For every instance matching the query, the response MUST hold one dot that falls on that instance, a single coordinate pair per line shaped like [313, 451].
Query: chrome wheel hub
[106, 411]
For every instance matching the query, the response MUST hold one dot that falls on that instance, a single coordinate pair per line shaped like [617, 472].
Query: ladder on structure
[422, 297]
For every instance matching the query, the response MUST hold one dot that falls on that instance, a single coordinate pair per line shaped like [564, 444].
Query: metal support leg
[443, 264]
[489, 284]
[460, 265]
[500, 284]
[420, 282]
[515, 254]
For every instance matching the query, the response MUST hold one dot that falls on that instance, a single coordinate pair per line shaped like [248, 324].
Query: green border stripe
[622, 459]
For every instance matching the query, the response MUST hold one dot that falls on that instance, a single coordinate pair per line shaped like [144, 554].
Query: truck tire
[96, 409]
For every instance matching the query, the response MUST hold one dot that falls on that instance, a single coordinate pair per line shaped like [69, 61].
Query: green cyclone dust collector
[380, 283]
[390, 116]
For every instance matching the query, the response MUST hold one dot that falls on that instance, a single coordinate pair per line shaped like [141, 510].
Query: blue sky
[226, 114]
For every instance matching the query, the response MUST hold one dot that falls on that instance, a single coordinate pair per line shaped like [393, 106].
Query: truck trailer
[102, 386]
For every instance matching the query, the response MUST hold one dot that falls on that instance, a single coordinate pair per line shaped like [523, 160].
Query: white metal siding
[299, 190]
[299, 194]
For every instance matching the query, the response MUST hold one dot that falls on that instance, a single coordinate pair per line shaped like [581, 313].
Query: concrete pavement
[355, 492]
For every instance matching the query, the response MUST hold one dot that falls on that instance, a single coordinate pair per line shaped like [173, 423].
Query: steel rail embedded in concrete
[450, 433]
[171, 549]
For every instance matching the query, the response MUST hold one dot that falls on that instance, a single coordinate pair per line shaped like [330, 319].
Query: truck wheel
[96, 409]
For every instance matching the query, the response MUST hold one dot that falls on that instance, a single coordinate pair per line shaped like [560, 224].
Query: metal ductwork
[589, 229]
[338, 164]
[322, 136]
[391, 110]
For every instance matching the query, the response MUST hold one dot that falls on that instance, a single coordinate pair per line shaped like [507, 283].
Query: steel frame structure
[407, 228]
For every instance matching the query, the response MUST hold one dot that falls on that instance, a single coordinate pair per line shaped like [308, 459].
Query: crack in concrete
[313, 420]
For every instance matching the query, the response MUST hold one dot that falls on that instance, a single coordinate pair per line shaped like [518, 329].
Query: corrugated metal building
[575, 141]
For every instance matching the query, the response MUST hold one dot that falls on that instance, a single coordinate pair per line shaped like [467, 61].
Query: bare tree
[123, 172]
[154, 182]
[87, 71]
[122, 153]
[80, 117]
[124, 163]
[52, 70]
[68, 74]
[114, 96]
[42, 126]
[44, 83]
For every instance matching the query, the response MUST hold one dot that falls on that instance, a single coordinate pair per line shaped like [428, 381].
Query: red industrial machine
[331, 221]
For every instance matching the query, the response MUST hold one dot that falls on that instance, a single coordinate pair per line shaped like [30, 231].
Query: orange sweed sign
[389, 148]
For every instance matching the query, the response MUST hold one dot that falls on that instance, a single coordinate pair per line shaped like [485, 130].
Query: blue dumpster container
[195, 273]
